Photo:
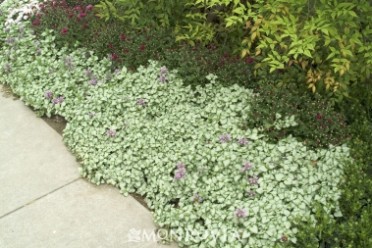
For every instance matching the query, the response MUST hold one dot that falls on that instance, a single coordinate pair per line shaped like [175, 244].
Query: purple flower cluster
[111, 133]
[247, 166]
[243, 141]
[93, 81]
[180, 172]
[163, 74]
[141, 102]
[7, 68]
[68, 62]
[241, 213]
[48, 94]
[197, 198]
[58, 100]
[253, 180]
[225, 138]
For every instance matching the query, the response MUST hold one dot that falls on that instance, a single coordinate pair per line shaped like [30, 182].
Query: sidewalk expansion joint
[38, 198]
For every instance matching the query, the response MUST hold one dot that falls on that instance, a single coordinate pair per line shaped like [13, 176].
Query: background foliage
[327, 43]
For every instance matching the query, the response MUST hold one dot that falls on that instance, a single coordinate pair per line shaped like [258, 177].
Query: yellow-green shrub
[327, 42]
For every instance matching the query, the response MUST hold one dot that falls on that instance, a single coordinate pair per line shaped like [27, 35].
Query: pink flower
[111, 133]
[114, 57]
[64, 31]
[180, 172]
[82, 15]
[243, 141]
[253, 180]
[93, 81]
[48, 94]
[225, 138]
[142, 47]
[247, 166]
[78, 8]
[110, 45]
[36, 22]
[141, 102]
[241, 213]
[163, 74]
[123, 37]
[58, 100]
[197, 198]
[249, 60]
[163, 70]
[162, 79]
[89, 7]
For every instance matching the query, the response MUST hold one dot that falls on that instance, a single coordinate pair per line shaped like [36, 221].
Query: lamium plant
[186, 149]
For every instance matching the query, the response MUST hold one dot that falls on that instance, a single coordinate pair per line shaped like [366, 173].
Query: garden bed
[219, 163]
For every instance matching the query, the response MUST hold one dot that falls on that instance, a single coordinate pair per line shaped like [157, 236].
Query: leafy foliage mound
[188, 151]
[318, 124]
[75, 24]
[327, 43]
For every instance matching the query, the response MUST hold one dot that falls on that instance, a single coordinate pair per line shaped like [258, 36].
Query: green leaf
[253, 229]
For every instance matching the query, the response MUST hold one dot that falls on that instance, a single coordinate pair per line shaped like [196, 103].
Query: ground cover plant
[204, 169]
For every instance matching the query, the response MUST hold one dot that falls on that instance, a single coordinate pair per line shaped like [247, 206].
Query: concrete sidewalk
[45, 203]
